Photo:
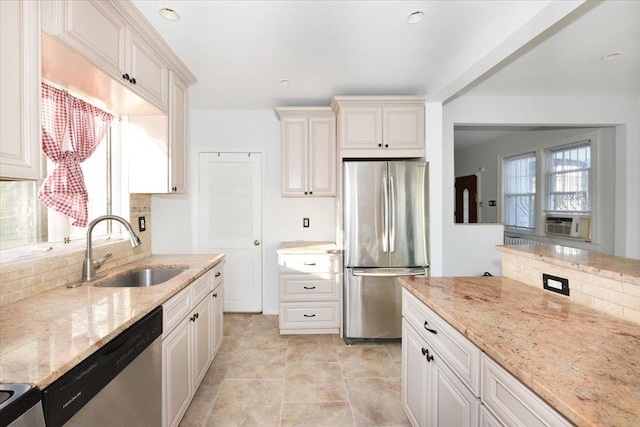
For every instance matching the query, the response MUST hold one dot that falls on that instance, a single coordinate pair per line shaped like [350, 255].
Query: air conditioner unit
[577, 226]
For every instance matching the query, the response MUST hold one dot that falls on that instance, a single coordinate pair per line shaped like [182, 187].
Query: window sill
[50, 250]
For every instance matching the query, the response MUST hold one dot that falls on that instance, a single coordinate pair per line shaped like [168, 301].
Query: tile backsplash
[23, 278]
[618, 298]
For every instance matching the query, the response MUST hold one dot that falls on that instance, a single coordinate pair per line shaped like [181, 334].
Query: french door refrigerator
[385, 208]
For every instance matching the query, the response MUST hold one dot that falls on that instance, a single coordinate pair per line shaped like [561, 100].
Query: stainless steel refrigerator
[385, 208]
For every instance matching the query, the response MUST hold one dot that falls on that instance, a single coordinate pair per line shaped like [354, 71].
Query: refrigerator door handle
[390, 273]
[392, 221]
[385, 210]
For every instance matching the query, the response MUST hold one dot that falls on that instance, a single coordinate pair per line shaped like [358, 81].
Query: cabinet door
[178, 134]
[218, 318]
[20, 87]
[147, 70]
[452, 403]
[295, 134]
[177, 373]
[404, 127]
[360, 127]
[202, 339]
[93, 30]
[322, 156]
[415, 376]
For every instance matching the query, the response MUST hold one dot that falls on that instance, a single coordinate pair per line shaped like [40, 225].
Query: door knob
[256, 242]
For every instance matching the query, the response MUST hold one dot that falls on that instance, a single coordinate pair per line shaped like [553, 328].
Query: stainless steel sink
[143, 278]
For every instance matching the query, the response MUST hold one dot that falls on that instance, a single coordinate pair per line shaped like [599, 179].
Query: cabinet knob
[385, 145]
[174, 188]
[133, 80]
[217, 274]
[215, 295]
[425, 352]
[310, 192]
[379, 145]
[256, 243]
[126, 76]
[306, 192]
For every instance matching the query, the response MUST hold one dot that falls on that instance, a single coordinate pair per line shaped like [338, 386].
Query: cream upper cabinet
[308, 151]
[178, 133]
[99, 32]
[385, 126]
[20, 151]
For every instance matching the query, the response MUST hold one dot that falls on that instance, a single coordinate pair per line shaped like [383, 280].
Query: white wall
[174, 230]
[623, 113]
[489, 154]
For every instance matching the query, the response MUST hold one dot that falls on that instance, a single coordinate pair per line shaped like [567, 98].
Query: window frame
[548, 173]
[534, 194]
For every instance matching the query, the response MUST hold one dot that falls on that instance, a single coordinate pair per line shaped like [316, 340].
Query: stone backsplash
[23, 278]
[606, 291]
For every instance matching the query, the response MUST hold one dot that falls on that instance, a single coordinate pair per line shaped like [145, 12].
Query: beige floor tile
[263, 338]
[367, 362]
[340, 342]
[235, 324]
[324, 340]
[377, 401]
[395, 350]
[320, 414]
[247, 403]
[197, 414]
[311, 353]
[311, 382]
[253, 363]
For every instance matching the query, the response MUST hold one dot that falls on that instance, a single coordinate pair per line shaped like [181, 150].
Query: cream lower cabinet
[448, 381]
[309, 293]
[189, 343]
[20, 143]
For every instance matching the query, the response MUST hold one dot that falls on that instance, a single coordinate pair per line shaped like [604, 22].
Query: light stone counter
[45, 335]
[584, 363]
[304, 247]
[609, 266]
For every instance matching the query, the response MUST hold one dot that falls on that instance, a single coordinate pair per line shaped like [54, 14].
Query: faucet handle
[99, 262]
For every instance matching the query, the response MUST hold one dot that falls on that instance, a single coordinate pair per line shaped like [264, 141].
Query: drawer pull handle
[425, 352]
[433, 331]
[309, 287]
[309, 263]
[309, 315]
[218, 274]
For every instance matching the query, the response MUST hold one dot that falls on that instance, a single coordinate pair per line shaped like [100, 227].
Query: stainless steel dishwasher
[120, 384]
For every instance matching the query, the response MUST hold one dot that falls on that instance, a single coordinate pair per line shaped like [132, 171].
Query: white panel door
[230, 212]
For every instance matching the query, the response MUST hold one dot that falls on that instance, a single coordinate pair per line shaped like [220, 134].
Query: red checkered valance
[71, 131]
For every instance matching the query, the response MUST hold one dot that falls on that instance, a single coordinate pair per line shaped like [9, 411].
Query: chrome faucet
[89, 266]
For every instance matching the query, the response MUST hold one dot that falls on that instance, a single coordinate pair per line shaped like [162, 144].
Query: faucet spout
[90, 266]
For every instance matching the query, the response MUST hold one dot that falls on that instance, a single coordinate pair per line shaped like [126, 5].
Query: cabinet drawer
[316, 263]
[512, 402]
[174, 310]
[218, 274]
[309, 315]
[462, 356]
[310, 287]
[201, 287]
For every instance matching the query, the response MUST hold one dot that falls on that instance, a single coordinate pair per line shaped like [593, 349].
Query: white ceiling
[240, 50]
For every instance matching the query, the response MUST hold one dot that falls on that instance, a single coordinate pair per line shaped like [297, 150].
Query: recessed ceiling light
[169, 14]
[611, 56]
[415, 17]
[285, 82]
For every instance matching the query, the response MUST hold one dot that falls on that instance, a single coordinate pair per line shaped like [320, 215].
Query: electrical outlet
[555, 284]
[305, 222]
[142, 224]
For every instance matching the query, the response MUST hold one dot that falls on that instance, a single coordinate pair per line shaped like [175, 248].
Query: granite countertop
[609, 266]
[304, 247]
[44, 336]
[584, 363]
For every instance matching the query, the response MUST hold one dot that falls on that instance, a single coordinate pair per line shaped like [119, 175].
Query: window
[569, 178]
[520, 191]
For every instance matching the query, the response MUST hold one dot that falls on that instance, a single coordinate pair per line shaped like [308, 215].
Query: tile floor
[260, 377]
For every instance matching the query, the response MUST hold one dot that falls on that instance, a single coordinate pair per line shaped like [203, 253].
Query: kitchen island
[582, 362]
[44, 336]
